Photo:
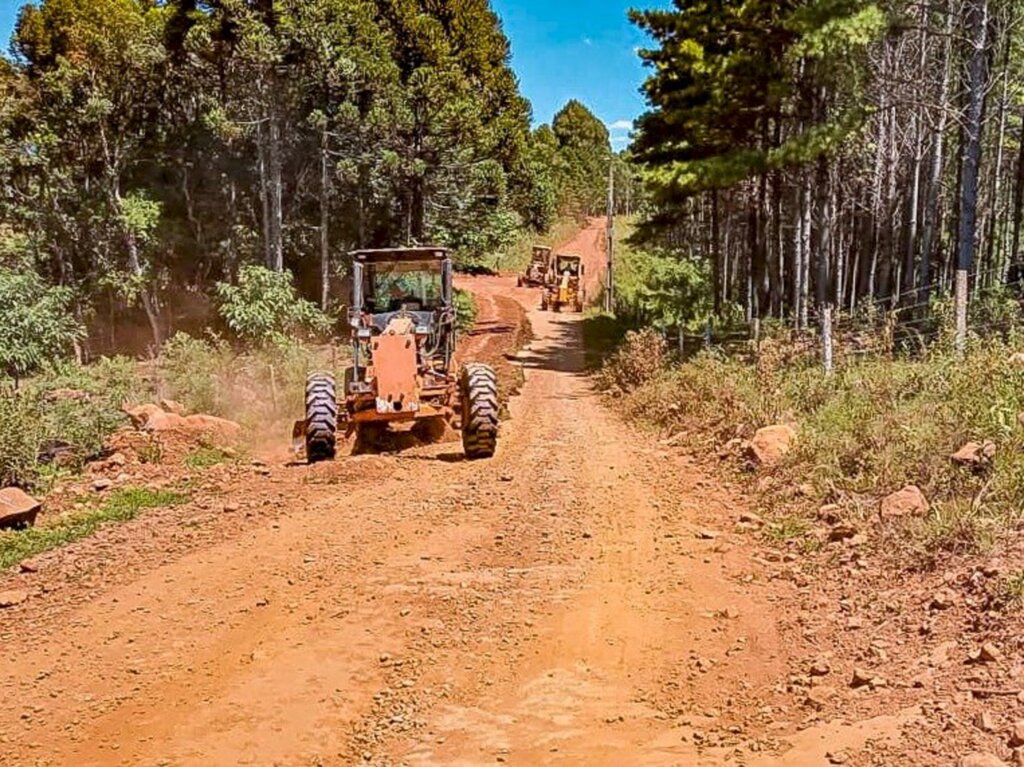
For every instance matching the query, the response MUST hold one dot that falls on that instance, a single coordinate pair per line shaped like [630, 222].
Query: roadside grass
[122, 506]
[206, 457]
[878, 424]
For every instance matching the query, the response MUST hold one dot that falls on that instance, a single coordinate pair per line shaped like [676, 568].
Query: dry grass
[878, 424]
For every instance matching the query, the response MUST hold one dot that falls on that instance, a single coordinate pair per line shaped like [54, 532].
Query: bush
[263, 307]
[87, 421]
[36, 322]
[465, 310]
[20, 437]
[67, 404]
[193, 372]
[640, 358]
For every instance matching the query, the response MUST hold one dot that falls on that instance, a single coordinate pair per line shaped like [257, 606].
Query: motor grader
[537, 272]
[564, 287]
[402, 376]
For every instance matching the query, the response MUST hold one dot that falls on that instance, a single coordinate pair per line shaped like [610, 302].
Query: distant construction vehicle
[537, 272]
[402, 320]
[564, 288]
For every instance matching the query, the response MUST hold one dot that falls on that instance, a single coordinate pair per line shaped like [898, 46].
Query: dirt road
[574, 601]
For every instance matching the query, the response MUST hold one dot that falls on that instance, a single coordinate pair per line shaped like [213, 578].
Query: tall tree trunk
[261, 148]
[325, 216]
[996, 258]
[933, 212]
[131, 245]
[977, 29]
[716, 255]
[274, 188]
[917, 136]
[879, 174]
[823, 259]
[798, 254]
[805, 247]
[1017, 268]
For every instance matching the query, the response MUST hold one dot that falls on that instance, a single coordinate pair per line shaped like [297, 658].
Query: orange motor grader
[402, 324]
[537, 272]
[564, 288]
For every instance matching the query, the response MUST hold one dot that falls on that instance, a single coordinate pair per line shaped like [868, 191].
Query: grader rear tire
[321, 418]
[479, 387]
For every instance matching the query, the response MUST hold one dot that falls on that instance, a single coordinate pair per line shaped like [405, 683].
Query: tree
[584, 151]
[149, 150]
[262, 307]
[36, 323]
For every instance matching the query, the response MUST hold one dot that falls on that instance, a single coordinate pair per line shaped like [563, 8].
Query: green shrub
[466, 310]
[263, 307]
[254, 388]
[36, 322]
[86, 422]
[20, 437]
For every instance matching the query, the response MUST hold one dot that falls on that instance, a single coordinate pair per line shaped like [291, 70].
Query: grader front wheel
[321, 418]
[479, 388]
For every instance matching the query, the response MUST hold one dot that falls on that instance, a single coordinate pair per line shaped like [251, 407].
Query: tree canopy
[150, 150]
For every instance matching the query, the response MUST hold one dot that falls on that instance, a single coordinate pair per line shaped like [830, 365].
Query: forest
[807, 157]
[151, 150]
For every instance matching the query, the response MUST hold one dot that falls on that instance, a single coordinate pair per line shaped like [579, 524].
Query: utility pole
[609, 293]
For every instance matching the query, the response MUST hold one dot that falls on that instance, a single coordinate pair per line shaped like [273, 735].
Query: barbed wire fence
[907, 324]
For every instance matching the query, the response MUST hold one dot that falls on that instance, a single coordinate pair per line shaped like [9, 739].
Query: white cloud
[620, 142]
[620, 125]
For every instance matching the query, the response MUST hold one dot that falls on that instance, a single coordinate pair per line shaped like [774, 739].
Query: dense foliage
[835, 153]
[150, 150]
[262, 307]
[35, 322]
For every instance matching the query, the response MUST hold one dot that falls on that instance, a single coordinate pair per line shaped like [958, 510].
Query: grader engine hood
[396, 368]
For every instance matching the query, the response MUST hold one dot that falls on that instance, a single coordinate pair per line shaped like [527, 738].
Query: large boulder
[154, 419]
[771, 444]
[140, 414]
[909, 501]
[17, 508]
[171, 406]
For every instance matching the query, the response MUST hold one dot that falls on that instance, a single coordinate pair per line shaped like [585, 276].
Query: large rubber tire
[479, 389]
[321, 418]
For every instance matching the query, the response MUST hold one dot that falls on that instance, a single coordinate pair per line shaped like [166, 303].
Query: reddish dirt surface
[585, 598]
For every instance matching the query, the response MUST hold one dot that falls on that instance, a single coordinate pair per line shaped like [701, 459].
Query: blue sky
[561, 49]
[8, 15]
[582, 49]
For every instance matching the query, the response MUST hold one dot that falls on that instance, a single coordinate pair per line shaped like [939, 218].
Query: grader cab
[402, 325]
[564, 289]
[537, 272]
